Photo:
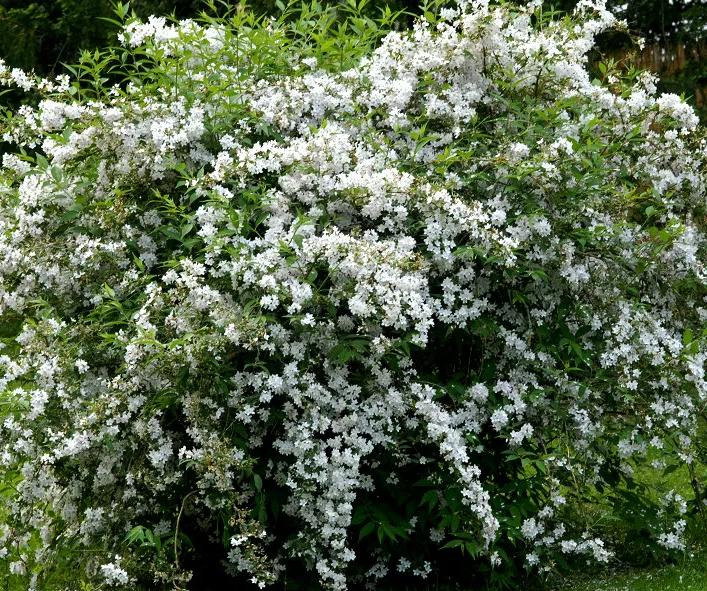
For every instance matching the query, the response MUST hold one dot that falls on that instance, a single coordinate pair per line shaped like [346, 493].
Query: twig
[176, 530]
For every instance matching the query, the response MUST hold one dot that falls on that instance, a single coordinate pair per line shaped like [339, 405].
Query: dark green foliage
[42, 34]
[662, 21]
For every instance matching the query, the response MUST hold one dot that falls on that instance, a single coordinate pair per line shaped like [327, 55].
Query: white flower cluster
[113, 574]
[239, 277]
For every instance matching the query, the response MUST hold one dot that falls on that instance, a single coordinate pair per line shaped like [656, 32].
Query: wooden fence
[666, 62]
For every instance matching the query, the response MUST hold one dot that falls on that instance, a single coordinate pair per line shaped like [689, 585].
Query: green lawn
[690, 575]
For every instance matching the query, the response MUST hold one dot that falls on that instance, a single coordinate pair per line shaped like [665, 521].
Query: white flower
[499, 419]
[113, 574]
[531, 529]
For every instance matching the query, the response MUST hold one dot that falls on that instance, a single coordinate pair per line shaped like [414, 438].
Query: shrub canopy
[325, 303]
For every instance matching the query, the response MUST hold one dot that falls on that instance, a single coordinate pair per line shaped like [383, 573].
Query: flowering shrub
[324, 304]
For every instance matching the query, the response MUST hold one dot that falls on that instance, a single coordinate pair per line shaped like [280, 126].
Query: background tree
[42, 34]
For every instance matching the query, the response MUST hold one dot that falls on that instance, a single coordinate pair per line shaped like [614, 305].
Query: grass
[689, 575]
[690, 571]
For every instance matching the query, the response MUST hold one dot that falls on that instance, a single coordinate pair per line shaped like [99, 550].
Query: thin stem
[176, 530]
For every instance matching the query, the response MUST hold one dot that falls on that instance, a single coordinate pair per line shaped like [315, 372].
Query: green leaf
[183, 376]
[453, 544]
[431, 498]
[71, 213]
[538, 275]
[687, 337]
[390, 531]
[42, 162]
[472, 547]
[366, 530]
[57, 173]
[189, 243]
[137, 534]
[170, 232]
[381, 534]
[258, 482]
[670, 469]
